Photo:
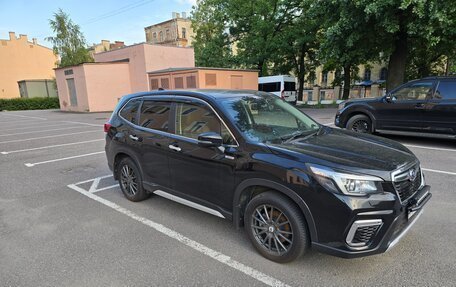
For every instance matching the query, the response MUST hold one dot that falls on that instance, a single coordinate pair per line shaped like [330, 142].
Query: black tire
[130, 180]
[360, 124]
[293, 240]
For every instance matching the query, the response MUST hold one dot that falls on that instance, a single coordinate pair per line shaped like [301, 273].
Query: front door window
[414, 92]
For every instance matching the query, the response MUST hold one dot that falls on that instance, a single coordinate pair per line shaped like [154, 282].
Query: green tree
[69, 42]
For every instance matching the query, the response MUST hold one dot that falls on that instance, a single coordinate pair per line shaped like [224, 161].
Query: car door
[152, 135]
[201, 174]
[403, 109]
[440, 112]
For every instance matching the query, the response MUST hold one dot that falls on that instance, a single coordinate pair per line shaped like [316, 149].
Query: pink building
[96, 87]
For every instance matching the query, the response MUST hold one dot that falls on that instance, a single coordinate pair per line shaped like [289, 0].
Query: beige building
[23, 60]
[175, 32]
[104, 46]
[203, 78]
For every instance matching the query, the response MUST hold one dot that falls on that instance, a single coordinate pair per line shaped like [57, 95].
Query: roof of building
[142, 43]
[167, 21]
[122, 61]
[182, 69]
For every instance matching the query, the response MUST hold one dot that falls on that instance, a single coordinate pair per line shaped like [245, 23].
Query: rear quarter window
[446, 90]
[130, 111]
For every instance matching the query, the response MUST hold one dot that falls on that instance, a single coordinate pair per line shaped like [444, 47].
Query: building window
[68, 72]
[179, 83]
[154, 36]
[164, 83]
[383, 74]
[184, 33]
[211, 79]
[324, 78]
[191, 82]
[160, 37]
[322, 95]
[154, 84]
[167, 34]
[367, 74]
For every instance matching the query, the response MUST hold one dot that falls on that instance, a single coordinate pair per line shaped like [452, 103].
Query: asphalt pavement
[65, 222]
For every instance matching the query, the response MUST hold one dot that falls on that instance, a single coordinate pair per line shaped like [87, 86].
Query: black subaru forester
[259, 162]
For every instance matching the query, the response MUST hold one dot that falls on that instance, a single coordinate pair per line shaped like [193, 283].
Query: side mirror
[210, 139]
[389, 99]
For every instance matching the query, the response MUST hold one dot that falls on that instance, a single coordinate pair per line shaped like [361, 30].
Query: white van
[282, 86]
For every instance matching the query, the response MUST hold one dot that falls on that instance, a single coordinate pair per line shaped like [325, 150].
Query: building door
[72, 92]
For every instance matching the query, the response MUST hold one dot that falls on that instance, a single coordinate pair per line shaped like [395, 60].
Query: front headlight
[350, 184]
[341, 105]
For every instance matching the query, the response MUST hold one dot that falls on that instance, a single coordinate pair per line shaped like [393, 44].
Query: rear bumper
[396, 230]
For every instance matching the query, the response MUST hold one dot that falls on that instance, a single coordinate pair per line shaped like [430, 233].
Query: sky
[99, 19]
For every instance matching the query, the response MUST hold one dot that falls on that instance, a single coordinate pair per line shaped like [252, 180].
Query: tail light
[107, 127]
[282, 95]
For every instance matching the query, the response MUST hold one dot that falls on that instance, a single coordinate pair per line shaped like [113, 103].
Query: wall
[145, 58]
[23, 60]
[224, 79]
[81, 89]
[175, 38]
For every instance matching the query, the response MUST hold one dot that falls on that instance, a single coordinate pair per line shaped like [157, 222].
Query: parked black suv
[259, 162]
[425, 107]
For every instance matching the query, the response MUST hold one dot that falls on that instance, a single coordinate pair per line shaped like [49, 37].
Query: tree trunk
[260, 67]
[397, 62]
[301, 73]
[347, 79]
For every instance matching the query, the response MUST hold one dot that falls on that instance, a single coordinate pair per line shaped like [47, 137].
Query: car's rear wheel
[360, 124]
[130, 180]
[276, 227]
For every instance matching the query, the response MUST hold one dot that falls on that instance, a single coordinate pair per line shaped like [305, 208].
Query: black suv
[259, 162]
[425, 107]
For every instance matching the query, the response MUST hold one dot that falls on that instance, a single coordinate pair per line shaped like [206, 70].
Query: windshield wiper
[300, 134]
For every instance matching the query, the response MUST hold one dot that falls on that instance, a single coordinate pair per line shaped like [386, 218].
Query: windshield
[268, 118]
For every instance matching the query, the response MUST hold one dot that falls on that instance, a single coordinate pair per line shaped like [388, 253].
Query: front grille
[365, 234]
[404, 183]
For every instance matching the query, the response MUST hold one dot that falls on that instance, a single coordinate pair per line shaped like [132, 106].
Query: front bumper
[392, 229]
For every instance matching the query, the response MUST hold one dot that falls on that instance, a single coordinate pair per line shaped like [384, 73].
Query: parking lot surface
[65, 222]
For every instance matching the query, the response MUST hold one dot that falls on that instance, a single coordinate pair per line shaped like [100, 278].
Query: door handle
[173, 147]
[419, 106]
[133, 137]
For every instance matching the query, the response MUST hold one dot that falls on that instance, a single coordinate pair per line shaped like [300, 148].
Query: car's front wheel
[130, 180]
[276, 227]
[360, 124]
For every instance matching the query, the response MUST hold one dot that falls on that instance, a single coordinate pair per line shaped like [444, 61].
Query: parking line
[328, 124]
[428, 147]
[81, 123]
[220, 257]
[40, 131]
[38, 118]
[34, 127]
[47, 137]
[439, 171]
[49, 146]
[61, 159]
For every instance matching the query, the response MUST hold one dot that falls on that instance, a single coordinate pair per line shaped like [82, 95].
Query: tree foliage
[69, 42]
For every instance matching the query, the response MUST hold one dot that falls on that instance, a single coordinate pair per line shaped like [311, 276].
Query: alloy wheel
[129, 180]
[272, 229]
[360, 126]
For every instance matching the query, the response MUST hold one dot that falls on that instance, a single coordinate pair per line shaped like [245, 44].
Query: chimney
[184, 15]
[12, 36]
[23, 37]
[174, 15]
[34, 41]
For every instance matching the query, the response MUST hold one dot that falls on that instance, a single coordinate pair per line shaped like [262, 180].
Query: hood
[347, 150]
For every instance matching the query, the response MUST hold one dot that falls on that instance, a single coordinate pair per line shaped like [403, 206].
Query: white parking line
[34, 127]
[439, 171]
[47, 137]
[18, 122]
[64, 158]
[220, 257]
[329, 124]
[428, 147]
[87, 124]
[49, 146]
[40, 131]
[37, 118]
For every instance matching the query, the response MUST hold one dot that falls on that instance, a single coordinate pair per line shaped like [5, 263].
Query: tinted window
[416, 91]
[270, 87]
[130, 111]
[192, 120]
[155, 115]
[290, 86]
[446, 90]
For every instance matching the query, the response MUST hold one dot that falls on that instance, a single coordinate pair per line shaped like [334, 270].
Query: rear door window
[155, 115]
[290, 86]
[130, 111]
[446, 90]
